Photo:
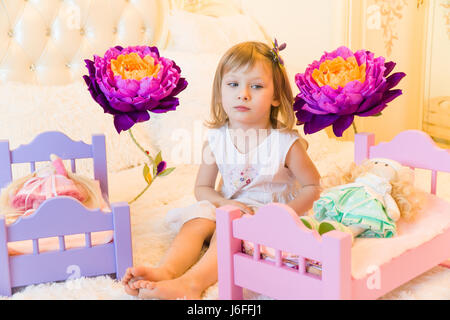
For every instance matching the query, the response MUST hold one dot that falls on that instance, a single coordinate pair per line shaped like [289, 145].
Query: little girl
[260, 157]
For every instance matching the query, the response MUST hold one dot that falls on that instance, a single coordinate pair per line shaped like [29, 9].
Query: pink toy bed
[367, 270]
[62, 239]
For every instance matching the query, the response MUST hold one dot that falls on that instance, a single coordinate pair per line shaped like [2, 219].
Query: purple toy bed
[62, 217]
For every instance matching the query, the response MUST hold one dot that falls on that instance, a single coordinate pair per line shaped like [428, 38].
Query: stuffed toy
[366, 201]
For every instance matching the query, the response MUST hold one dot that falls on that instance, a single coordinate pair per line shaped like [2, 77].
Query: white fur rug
[151, 238]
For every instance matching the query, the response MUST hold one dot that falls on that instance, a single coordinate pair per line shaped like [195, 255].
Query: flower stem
[140, 147]
[151, 160]
[354, 127]
[141, 193]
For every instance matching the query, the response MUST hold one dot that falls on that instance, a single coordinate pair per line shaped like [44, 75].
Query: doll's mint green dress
[360, 203]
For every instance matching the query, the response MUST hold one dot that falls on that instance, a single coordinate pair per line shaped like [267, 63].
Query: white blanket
[151, 237]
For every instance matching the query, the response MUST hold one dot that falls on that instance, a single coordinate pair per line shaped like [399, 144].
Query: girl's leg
[191, 284]
[186, 247]
[182, 254]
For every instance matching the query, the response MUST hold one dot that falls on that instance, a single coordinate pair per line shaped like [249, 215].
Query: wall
[439, 49]
[395, 29]
[308, 27]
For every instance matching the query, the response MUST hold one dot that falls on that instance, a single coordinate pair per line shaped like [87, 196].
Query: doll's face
[383, 170]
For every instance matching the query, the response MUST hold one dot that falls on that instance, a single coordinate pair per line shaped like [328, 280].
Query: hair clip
[276, 52]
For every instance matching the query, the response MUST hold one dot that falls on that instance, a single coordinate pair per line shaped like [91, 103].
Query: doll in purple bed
[367, 200]
[24, 195]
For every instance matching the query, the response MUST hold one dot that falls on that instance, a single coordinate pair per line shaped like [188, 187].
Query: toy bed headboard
[45, 42]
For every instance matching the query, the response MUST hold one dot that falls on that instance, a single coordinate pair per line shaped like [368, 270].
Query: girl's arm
[206, 180]
[298, 161]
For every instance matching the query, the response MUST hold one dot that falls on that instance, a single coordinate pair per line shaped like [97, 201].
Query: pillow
[28, 110]
[179, 134]
[191, 32]
[213, 8]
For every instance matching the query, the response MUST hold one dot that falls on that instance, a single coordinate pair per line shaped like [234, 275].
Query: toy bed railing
[50, 142]
[277, 226]
[62, 216]
[412, 148]
[58, 217]
[274, 226]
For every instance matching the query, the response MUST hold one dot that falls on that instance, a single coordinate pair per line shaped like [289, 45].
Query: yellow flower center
[339, 72]
[132, 66]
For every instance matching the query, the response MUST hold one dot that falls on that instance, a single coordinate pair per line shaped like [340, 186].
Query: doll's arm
[391, 207]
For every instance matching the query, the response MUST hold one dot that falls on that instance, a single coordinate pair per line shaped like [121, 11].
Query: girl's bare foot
[179, 288]
[135, 274]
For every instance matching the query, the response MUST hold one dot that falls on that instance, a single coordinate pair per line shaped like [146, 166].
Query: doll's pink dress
[49, 181]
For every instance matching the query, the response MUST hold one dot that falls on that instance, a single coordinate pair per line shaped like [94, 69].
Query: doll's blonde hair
[87, 187]
[245, 55]
[408, 198]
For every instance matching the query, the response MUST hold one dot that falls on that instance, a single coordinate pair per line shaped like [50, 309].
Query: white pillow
[27, 110]
[179, 134]
[191, 32]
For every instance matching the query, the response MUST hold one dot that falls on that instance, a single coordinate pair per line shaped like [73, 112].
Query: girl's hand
[244, 208]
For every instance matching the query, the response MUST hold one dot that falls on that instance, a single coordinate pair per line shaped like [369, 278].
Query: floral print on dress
[241, 177]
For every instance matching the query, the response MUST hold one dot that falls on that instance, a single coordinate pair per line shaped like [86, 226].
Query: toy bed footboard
[58, 217]
[277, 226]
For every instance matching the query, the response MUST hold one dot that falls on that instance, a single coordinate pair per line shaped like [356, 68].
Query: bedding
[208, 34]
[152, 238]
[179, 134]
[325, 153]
[69, 109]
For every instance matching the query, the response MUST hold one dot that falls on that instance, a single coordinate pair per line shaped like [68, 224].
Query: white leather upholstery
[46, 41]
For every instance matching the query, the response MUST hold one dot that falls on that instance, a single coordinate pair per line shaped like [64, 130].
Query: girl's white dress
[255, 178]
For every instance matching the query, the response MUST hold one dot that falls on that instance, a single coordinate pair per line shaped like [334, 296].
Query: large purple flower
[131, 82]
[343, 85]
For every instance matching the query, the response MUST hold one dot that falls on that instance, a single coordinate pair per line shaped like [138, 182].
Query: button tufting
[45, 32]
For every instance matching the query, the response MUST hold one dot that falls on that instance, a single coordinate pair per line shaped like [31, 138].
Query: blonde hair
[246, 54]
[408, 198]
[87, 187]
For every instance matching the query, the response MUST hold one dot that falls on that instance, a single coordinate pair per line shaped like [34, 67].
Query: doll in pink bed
[23, 196]
[367, 200]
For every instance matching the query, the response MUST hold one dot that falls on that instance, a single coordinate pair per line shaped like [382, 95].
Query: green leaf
[158, 158]
[155, 169]
[146, 174]
[166, 172]
[377, 115]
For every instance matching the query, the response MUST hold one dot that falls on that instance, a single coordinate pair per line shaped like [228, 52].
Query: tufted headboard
[46, 41]
[43, 44]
